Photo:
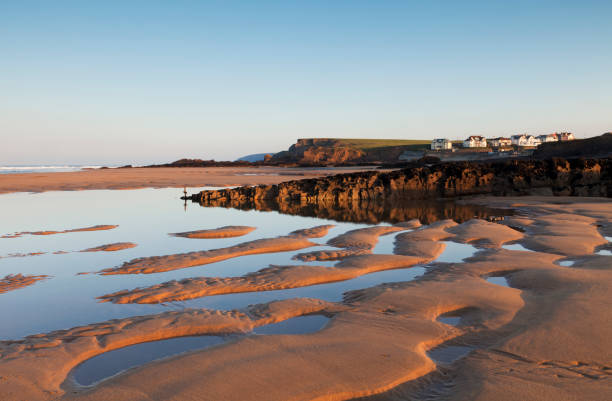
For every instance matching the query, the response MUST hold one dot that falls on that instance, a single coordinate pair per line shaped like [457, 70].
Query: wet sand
[220, 232]
[546, 336]
[155, 264]
[117, 246]
[101, 227]
[131, 178]
[13, 282]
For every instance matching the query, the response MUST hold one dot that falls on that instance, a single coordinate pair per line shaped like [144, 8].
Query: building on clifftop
[499, 142]
[548, 138]
[441, 144]
[525, 140]
[475, 141]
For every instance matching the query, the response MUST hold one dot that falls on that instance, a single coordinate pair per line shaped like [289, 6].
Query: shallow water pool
[145, 217]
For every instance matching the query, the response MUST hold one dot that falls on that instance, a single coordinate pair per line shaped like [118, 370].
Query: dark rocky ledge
[575, 177]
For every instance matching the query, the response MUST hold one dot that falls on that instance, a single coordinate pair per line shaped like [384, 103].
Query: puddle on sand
[503, 281]
[386, 243]
[456, 252]
[111, 363]
[516, 247]
[450, 320]
[69, 300]
[605, 252]
[445, 355]
[297, 325]
[567, 263]
[44, 306]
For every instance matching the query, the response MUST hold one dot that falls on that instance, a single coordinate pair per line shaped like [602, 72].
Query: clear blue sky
[148, 81]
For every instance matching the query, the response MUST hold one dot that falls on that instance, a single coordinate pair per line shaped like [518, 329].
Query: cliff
[575, 177]
[333, 151]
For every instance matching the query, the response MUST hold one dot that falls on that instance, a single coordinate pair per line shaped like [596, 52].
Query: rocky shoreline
[558, 177]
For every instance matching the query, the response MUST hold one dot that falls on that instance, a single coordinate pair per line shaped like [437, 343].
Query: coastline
[162, 177]
[532, 339]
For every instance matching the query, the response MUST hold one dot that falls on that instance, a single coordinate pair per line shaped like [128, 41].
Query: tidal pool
[447, 354]
[516, 247]
[502, 281]
[112, 363]
[146, 217]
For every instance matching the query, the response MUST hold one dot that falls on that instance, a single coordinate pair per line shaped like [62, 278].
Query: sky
[133, 82]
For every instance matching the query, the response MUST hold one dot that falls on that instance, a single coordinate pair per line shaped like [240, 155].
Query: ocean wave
[43, 168]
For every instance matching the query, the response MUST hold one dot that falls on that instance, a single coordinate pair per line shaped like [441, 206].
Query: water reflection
[117, 361]
[112, 363]
[445, 355]
[369, 211]
[146, 216]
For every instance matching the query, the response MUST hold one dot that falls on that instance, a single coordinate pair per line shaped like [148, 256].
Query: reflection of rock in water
[375, 196]
[365, 211]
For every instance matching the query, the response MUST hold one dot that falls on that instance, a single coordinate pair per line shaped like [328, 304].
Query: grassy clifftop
[365, 144]
[328, 151]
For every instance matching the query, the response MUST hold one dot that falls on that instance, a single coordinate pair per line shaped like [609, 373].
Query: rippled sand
[546, 336]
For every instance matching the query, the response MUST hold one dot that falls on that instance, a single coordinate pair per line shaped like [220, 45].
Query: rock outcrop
[559, 177]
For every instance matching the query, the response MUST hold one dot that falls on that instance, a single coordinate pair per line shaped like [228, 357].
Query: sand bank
[36, 366]
[362, 238]
[22, 255]
[268, 279]
[544, 345]
[117, 246]
[547, 337]
[130, 178]
[414, 248]
[155, 264]
[220, 232]
[101, 227]
[15, 281]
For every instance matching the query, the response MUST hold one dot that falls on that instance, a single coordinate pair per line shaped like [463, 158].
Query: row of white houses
[477, 141]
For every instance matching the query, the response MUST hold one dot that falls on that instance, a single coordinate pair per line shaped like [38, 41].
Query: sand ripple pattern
[50, 232]
[220, 232]
[545, 337]
[13, 282]
[155, 264]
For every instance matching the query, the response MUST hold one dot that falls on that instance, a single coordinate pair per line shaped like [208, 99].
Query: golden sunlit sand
[546, 336]
[160, 177]
[221, 232]
[155, 264]
[15, 281]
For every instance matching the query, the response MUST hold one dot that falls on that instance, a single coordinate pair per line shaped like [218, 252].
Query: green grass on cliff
[365, 144]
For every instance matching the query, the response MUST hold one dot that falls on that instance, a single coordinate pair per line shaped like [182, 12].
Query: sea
[17, 169]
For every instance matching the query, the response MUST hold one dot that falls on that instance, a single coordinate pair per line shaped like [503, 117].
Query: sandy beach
[529, 336]
[306, 201]
[131, 178]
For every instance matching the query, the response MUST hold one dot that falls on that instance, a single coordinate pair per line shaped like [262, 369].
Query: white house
[525, 140]
[499, 142]
[441, 144]
[566, 136]
[475, 141]
[548, 138]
